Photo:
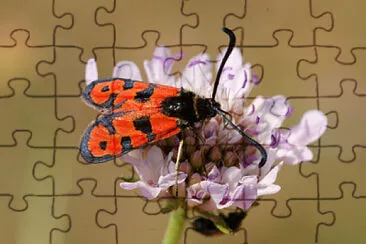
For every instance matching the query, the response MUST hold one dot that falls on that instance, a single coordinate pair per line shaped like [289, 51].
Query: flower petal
[271, 177]
[269, 190]
[197, 75]
[312, 125]
[231, 176]
[168, 180]
[245, 196]
[147, 191]
[127, 70]
[91, 71]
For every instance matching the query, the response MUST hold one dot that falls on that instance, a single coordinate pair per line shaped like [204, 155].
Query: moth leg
[180, 147]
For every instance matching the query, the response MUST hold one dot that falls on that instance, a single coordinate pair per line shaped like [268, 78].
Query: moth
[136, 113]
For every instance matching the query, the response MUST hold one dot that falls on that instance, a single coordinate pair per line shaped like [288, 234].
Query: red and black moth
[136, 113]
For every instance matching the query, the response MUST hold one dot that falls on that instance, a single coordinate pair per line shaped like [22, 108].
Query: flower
[219, 168]
[156, 173]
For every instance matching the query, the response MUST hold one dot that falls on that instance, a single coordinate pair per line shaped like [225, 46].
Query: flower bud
[230, 159]
[215, 154]
[196, 160]
[190, 144]
[185, 167]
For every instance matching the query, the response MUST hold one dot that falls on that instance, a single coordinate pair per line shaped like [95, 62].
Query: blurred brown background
[312, 52]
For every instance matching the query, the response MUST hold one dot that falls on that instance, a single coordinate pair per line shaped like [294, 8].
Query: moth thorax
[204, 108]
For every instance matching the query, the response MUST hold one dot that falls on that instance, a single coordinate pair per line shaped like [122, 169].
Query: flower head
[219, 167]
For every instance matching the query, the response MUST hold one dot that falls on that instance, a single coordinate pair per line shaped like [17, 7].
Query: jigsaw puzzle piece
[68, 169]
[19, 61]
[332, 172]
[329, 73]
[262, 18]
[37, 18]
[293, 185]
[208, 32]
[347, 32]
[129, 25]
[35, 224]
[349, 209]
[36, 114]
[82, 208]
[68, 70]
[301, 226]
[16, 175]
[84, 18]
[127, 215]
[280, 68]
[350, 121]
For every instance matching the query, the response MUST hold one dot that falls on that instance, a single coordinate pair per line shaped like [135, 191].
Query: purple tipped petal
[195, 62]
[128, 70]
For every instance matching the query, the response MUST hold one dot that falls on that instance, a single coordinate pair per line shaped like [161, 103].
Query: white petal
[197, 75]
[272, 189]
[249, 180]
[169, 180]
[127, 70]
[271, 158]
[159, 67]
[245, 196]
[147, 191]
[216, 191]
[295, 155]
[235, 60]
[91, 71]
[271, 177]
[231, 176]
[312, 125]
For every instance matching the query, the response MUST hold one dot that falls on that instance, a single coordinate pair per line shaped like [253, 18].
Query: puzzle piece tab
[36, 224]
[332, 172]
[68, 70]
[293, 185]
[351, 121]
[127, 215]
[19, 61]
[330, 73]
[36, 114]
[82, 209]
[350, 217]
[68, 169]
[300, 227]
[37, 18]
[347, 30]
[280, 68]
[262, 18]
[206, 29]
[16, 175]
[84, 12]
[130, 26]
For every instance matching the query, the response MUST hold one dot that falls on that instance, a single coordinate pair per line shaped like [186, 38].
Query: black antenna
[227, 54]
[250, 140]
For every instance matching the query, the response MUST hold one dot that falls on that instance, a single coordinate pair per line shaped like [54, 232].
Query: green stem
[175, 226]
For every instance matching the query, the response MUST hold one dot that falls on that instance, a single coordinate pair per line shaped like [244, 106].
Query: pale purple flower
[223, 172]
[156, 172]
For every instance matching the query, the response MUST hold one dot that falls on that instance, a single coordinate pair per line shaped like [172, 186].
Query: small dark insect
[208, 227]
